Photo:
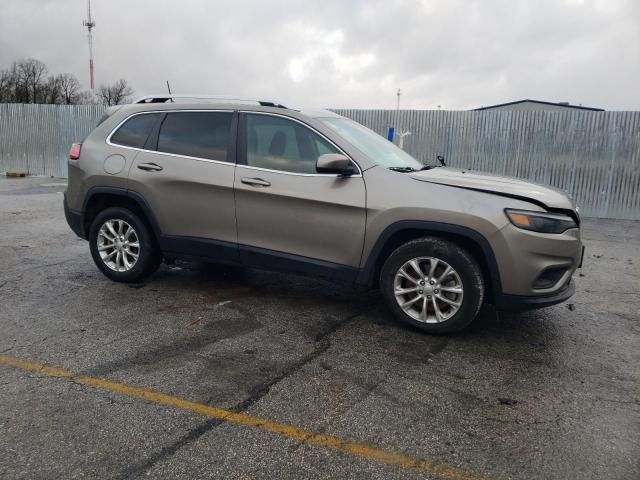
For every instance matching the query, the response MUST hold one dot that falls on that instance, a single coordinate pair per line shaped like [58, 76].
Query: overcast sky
[458, 54]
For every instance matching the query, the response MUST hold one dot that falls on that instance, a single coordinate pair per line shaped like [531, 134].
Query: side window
[196, 134]
[324, 147]
[280, 144]
[134, 132]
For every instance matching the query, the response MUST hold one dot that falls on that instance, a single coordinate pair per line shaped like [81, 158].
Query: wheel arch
[99, 198]
[401, 232]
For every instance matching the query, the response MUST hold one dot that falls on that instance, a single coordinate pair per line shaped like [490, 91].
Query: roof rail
[163, 98]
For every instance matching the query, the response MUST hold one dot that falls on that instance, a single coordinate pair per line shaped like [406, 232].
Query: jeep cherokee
[265, 186]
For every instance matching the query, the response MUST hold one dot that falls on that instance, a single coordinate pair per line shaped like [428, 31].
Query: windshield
[377, 148]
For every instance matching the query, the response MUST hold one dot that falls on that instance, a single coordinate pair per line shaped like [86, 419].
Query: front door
[289, 216]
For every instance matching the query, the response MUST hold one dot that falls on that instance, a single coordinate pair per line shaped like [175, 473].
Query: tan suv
[261, 185]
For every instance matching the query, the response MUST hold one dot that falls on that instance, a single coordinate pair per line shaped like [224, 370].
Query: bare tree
[87, 97]
[52, 91]
[114, 94]
[27, 82]
[29, 76]
[69, 88]
[7, 87]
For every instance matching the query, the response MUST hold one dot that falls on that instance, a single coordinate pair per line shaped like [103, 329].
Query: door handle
[255, 182]
[149, 167]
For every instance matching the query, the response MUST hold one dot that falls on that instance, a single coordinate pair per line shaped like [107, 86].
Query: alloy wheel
[428, 289]
[118, 245]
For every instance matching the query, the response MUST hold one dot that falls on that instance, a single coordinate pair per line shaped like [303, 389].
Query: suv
[264, 186]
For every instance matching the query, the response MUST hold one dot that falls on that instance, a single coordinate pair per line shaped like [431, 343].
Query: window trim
[117, 127]
[231, 147]
[242, 147]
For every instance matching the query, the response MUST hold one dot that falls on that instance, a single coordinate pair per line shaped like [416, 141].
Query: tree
[7, 87]
[59, 89]
[27, 81]
[87, 97]
[52, 92]
[114, 94]
[29, 77]
[69, 89]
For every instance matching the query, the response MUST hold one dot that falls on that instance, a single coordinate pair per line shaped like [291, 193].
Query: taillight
[74, 153]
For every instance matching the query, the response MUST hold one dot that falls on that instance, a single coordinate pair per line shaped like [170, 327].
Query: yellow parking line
[346, 446]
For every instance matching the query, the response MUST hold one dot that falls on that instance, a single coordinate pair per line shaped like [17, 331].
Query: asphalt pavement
[216, 372]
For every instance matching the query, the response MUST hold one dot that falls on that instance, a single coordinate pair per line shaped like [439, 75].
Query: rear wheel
[433, 285]
[122, 246]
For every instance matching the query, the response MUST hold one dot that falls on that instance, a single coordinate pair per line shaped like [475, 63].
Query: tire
[462, 289]
[125, 268]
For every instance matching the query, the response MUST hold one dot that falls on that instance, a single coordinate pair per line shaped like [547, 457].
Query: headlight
[540, 221]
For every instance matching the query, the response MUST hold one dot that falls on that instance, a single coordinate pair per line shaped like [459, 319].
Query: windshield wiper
[411, 169]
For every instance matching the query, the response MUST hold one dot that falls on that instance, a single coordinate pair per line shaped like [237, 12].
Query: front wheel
[432, 284]
[122, 246]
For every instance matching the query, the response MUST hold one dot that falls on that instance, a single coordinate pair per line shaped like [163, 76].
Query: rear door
[185, 174]
[290, 216]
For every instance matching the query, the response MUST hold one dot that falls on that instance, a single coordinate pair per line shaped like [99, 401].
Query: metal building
[529, 105]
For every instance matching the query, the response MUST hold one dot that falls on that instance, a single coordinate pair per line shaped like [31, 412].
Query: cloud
[458, 54]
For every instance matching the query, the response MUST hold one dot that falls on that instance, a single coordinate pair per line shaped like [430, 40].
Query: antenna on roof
[169, 88]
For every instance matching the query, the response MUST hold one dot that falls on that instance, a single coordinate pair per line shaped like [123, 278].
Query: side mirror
[334, 163]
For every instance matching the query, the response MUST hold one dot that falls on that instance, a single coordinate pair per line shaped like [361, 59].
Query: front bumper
[74, 219]
[523, 256]
[521, 303]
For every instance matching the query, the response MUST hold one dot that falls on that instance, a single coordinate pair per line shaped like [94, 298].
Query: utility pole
[89, 23]
[401, 133]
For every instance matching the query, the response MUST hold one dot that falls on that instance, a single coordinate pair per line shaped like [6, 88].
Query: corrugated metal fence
[593, 155]
[36, 138]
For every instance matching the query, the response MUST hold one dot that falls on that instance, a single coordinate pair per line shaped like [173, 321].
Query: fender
[93, 191]
[122, 192]
[366, 274]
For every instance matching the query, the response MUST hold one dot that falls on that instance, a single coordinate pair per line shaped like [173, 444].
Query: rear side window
[134, 132]
[196, 134]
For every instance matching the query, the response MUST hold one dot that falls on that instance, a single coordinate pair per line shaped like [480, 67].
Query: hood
[543, 195]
